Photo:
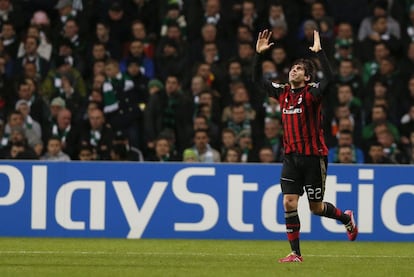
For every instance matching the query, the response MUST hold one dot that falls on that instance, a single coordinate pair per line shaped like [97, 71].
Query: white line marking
[103, 253]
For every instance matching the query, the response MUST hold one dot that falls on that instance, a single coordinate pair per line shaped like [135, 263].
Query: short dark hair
[309, 67]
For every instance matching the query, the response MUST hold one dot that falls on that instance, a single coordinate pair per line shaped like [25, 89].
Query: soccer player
[305, 161]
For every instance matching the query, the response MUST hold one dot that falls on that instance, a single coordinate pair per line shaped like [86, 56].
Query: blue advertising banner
[181, 200]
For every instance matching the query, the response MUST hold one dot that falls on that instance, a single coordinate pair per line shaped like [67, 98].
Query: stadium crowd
[171, 80]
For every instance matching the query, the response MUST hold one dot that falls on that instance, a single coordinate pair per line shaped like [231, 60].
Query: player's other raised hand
[262, 43]
[316, 42]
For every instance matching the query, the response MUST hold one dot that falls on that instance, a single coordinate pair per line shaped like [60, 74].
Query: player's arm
[325, 66]
[262, 45]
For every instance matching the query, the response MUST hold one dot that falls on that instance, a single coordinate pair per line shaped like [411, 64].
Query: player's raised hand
[316, 42]
[262, 43]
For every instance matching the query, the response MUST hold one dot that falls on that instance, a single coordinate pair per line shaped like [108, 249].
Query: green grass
[116, 257]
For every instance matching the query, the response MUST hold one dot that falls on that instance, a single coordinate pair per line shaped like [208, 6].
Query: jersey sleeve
[272, 89]
[320, 87]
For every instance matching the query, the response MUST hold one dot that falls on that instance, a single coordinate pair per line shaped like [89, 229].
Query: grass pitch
[121, 257]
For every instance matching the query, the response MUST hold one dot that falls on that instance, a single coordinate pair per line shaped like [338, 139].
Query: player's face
[297, 74]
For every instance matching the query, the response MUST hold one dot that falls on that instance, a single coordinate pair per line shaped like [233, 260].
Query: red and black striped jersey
[302, 113]
[302, 121]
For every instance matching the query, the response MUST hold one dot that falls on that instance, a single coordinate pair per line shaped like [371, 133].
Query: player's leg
[290, 204]
[292, 189]
[315, 190]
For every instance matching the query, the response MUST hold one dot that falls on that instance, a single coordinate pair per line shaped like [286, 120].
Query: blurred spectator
[205, 153]
[68, 133]
[67, 12]
[208, 107]
[29, 124]
[282, 62]
[345, 96]
[10, 39]
[275, 14]
[132, 153]
[140, 89]
[371, 67]
[388, 73]
[98, 134]
[302, 47]
[341, 111]
[201, 122]
[120, 102]
[162, 151]
[44, 49]
[245, 54]
[197, 85]
[376, 154]
[155, 86]
[345, 138]
[379, 117]
[380, 91]
[11, 11]
[71, 31]
[20, 151]
[104, 35]
[345, 155]
[266, 155]
[238, 120]
[65, 49]
[345, 35]
[98, 55]
[39, 111]
[139, 32]
[232, 155]
[52, 86]
[379, 34]
[190, 156]
[215, 15]
[273, 138]
[249, 16]
[118, 21]
[244, 33]
[319, 14]
[240, 97]
[245, 142]
[16, 120]
[55, 106]
[228, 140]
[54, 151]
[379, 9]
[209, 35]
[86, 153]
[136, 53]
[170, 60]
[169, 109]
[173, 15]
[212, 57]
[119, 153]
[348, 74]
[174, 34]
[31, 55]
[41, 20]
[391, 147]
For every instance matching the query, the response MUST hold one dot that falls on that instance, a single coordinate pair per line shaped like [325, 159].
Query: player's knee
[290, 204]
[316, 208]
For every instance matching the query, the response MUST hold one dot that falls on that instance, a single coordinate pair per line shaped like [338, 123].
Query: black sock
[292, 230]
[331, 211]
